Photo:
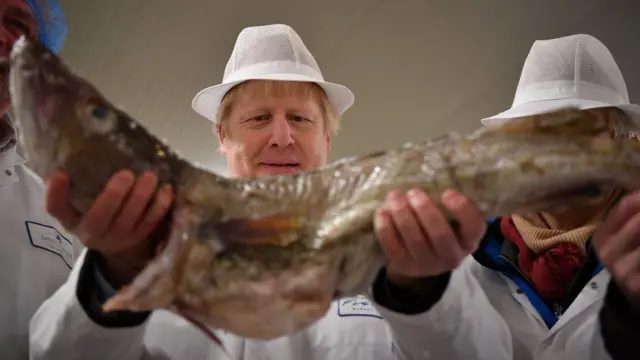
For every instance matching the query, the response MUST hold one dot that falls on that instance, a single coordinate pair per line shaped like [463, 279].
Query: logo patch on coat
[357, 306]
[48, 238]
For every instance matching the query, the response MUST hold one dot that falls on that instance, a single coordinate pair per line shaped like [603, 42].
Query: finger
[627, 207]
[618, 245]
[406, 223]
[472, 224]
[156, 213]
[136, 203]
[57, 200]
[441, 238]
[101, 214]
[388, 237]
[627, 271]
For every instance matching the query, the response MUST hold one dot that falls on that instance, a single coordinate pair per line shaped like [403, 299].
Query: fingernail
[395, 200]
[414, 193]
[124, 178]
[381, 216]
[151, 176]
[393, 195]
[452, 198]
[166, 190]
[416, 201]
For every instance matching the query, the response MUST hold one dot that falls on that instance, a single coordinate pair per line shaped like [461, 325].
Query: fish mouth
[31, 79]
[36, 98]
[583, 192]
[566, 198]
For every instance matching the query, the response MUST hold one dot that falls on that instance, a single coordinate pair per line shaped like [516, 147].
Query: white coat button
[8, 172]
[594, 285]
[519, 291]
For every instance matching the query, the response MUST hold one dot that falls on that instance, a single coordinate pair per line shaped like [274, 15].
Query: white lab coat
[37, 254]
[576, 335]
[462, 326]
[469, 322]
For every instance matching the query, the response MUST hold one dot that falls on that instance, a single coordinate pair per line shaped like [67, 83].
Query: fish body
[264, 257]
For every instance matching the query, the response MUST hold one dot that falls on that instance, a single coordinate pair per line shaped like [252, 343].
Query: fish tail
[155, 286]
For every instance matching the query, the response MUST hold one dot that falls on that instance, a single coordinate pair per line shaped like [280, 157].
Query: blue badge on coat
[48, 238]
[357, 306]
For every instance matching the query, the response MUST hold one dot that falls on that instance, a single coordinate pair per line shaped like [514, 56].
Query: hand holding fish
[617, 242]
[117, 223]
[417, 238]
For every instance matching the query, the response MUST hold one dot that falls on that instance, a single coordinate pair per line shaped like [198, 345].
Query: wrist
[91, 293]
[399, 280]
[117, 270]
[409, 295]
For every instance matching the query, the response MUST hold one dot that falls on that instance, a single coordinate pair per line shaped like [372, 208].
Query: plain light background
[418, 68]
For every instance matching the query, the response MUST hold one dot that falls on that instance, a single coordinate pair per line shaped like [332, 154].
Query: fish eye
[102, 119]
[100, 112]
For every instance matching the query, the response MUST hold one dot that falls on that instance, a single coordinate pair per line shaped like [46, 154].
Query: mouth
[280, 168]
[281, 164]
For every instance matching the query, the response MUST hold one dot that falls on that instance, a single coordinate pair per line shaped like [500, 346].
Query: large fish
[264, 257]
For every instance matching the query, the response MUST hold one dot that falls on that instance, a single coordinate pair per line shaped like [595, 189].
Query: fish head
[56, 110]
[558, 161]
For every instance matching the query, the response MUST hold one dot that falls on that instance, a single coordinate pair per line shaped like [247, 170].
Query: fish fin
[154, 287]
[277, 230]
[204, 329]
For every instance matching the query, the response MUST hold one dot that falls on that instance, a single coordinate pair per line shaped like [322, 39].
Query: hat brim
[539, 107]
[207, 102]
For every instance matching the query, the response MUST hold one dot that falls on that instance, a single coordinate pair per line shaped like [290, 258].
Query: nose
[281, 134]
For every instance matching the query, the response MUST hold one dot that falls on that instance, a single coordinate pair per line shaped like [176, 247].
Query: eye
[261, 117]
[100, 112]
[101, 118]
[299, 119]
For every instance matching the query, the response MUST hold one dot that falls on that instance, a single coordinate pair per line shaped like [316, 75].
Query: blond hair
[622, 125]
[283, 89]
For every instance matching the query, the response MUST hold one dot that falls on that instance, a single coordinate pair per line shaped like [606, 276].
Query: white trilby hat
[576, 70]
[269, 52]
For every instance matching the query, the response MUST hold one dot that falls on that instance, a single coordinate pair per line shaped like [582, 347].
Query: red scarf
[551, 272]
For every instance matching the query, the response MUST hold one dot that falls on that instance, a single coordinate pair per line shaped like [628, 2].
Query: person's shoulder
[29, 190]
[32, 180]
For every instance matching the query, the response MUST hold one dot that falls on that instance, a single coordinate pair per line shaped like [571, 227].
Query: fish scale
[264, 257]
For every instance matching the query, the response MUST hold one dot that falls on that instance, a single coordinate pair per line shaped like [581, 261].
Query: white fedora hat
[577, 71]
[269, 52]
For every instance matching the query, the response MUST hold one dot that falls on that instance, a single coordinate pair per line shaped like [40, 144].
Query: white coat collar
[9, 160]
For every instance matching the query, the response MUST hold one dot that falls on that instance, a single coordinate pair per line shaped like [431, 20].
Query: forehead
[303, 93]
